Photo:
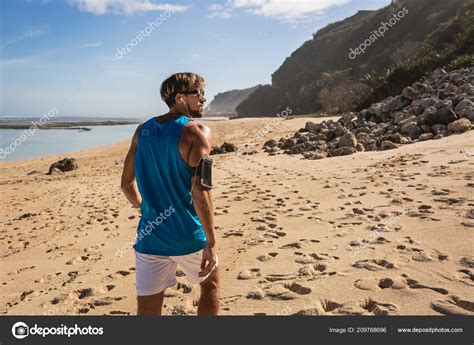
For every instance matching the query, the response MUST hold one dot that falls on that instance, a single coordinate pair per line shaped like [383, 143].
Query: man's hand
[209, 259]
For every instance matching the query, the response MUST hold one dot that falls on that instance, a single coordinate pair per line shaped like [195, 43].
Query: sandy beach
[374, 233]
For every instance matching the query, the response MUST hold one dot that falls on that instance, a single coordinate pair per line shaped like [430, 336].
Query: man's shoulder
[197, 129]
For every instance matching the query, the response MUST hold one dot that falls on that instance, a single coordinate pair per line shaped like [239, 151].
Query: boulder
[270, 143]
[442, 116]
[388, 145]
[342, 151]
[426, 136]
[464, 105]
[66, 164]
[406, 121]
[410, 93]
[441, 105]
[312, 127]
[409, 128]
[348, 140]
[289, 143]
[459, 126]
[224, 148]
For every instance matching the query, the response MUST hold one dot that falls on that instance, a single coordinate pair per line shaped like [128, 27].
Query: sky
[107, 58]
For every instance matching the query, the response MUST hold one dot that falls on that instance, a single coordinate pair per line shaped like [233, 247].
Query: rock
[468, 114]
[467, 89]
[342, 151]
[416, 110]
[398, 103]
[442, 116]
[348, 140]
[438, 73]
[441, 105]
[394, 138]
[410, 93]
[387, 145]
[66, 164]
[459, 126]
[464, 105]
[228, 147]
[270, 143]
[409, 127]
[437, 129]
[406, 121]
[423, 89]
[289, 143]
[426, 136]
[319, 155]
[312, 127]
[319, 137]
[224, 148]
[428, 102]
[360, 147]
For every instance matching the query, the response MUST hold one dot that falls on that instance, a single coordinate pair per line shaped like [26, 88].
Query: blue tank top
[169, 224]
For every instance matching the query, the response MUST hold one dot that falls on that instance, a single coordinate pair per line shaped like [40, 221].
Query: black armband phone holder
[204, 171]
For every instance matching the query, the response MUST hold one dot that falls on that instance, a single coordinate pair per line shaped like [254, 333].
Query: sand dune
[374, 233]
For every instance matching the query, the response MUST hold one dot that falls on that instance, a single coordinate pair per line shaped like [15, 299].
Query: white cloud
[27, 34]
[219, 11]
[89, 45]
[33, 33]
[124, 7]
[288, 11]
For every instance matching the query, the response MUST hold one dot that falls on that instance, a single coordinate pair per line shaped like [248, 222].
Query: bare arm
[128, 183]
[202, 196]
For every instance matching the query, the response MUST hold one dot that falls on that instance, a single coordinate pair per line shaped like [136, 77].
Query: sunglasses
[199, 92]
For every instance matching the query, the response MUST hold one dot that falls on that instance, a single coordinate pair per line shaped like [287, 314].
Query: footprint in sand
[297, 288]
[250, 273]
[315, 270]
[413, 284]
[467, 261]
[454, 306]
[373, 284]
[267, 257]
[466, 276]
[374, 264]
[304, 258]
[256, 294]
[292, 245]
[114, 276]
[364, 307]
[279, 277]
[279, 292]
[235, 233]
[421, 256]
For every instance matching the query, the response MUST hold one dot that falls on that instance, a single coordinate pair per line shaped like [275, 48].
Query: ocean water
[15, 144]
[29, 119]
[54, 141]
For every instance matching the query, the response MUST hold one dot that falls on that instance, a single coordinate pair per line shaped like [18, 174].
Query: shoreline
[122, 142]
[68, 124]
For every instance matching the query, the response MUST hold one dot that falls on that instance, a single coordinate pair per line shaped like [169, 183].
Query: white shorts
[155, 273]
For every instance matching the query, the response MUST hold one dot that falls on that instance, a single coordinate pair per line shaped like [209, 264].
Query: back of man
[169, 224]
[177, 222]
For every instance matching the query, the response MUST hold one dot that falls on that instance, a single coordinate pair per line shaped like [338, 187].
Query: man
[160, 177]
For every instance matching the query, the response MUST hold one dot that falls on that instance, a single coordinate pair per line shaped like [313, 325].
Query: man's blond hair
[179, 82]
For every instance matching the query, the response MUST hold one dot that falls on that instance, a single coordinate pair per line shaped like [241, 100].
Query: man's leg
[154, 273]
[150, 305]
[210, 294]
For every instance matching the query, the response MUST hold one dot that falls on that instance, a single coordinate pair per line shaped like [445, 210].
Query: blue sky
[63, 53]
